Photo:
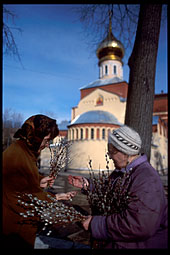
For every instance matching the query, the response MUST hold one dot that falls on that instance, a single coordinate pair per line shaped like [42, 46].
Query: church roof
[102, 82]
[63, 125]
[96, 117]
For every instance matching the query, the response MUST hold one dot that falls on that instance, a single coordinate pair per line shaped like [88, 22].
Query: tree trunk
[142, 64]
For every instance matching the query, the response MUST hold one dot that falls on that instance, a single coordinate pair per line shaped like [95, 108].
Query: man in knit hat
[144, 223]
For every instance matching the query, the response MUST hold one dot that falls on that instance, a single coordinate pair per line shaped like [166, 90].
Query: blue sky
[56, 61]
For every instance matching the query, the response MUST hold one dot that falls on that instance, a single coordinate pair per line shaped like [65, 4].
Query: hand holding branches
[47, 181]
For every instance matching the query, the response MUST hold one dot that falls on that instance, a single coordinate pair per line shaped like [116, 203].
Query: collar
[142, 158]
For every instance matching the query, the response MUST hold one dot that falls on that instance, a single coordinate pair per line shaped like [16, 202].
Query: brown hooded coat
[20, 175]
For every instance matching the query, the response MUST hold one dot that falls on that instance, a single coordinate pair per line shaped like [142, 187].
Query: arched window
[81, 133]
[114, 69]
[103, 133]
[98, 133]
[77, 134]
[87, 133]
[92, 133]
[108, 131]
[106, 70]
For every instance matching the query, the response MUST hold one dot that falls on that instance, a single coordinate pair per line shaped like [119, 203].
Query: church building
[101, 109]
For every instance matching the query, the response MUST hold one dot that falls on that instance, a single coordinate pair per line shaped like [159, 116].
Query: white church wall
[159, 152]
[111, 103]
[82, 151]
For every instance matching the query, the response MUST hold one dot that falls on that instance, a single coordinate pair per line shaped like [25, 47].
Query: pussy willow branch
[49, 213]
[59, 156]
[108, 196]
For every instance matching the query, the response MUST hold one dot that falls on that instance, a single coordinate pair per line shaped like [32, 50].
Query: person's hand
[66, 196]
[47, 181]
[87, 222]
[78, 181]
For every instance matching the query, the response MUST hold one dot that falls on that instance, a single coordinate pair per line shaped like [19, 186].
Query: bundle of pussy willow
[47, 213]
[107, 196]
[59, 156]
[50, 211]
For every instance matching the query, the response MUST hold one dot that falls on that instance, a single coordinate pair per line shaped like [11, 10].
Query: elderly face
[118, 157]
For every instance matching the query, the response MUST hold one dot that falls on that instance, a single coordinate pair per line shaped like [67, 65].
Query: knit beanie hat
[126, 140]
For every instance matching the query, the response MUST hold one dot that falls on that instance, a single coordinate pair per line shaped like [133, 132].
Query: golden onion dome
[110, 48]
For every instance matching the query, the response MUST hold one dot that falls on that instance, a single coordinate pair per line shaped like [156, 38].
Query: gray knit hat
[126, 140]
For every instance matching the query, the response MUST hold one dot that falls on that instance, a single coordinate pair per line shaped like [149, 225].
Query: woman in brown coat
[20, 175]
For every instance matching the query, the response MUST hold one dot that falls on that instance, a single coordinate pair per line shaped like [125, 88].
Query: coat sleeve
[142, 216]
[20, 175]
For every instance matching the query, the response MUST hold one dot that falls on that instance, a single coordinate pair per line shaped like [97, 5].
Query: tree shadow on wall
[159, 162]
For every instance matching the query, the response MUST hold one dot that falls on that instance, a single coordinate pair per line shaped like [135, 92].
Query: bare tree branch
[9, 44]
[95, 19]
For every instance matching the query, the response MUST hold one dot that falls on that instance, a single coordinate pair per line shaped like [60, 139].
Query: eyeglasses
[112, 152]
